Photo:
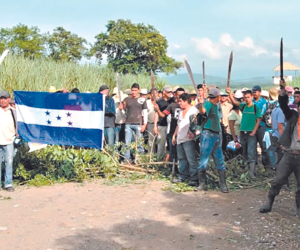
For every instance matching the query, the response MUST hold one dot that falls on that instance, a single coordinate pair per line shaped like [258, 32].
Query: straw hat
[274, 93]
[265, 93]
[116, 95]
[53, 89]
[193, 92]
[128, 92]
[175, 88]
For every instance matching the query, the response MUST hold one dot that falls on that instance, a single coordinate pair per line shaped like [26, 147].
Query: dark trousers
[289, 164]
[274, 152]
[249, 145]
[260, 136]
[172, 155]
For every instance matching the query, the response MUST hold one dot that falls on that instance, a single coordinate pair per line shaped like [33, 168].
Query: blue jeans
[132, 130]
[210, 144]
[109, 134]
[187, 161]
[249, 145]
[7, 151]
[118, 130]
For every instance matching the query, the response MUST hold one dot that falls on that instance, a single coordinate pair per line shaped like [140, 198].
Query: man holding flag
[7, 136]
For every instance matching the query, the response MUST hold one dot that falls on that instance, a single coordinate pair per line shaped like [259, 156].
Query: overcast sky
[198, 30]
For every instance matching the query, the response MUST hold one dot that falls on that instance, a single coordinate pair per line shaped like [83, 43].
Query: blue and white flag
[74, 119]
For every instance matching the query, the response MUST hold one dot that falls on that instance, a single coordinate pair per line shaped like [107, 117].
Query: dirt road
[142, 216]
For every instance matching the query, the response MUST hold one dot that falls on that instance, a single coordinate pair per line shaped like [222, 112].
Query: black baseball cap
[103, 87]
[256, 88]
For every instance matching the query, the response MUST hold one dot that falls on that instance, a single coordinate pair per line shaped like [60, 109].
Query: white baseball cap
[238, 94]
[144, 91]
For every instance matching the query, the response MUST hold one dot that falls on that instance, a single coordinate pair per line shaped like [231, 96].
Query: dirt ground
[142, 216]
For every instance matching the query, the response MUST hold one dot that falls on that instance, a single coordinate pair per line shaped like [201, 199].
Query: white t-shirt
[184, 125]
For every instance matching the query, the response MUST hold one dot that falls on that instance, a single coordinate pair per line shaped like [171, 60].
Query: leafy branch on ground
[60, 164]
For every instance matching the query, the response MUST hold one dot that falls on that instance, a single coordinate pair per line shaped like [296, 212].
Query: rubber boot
[268, 207]
[202, 180]
[223, 185]
[252, 169]
[298, 204]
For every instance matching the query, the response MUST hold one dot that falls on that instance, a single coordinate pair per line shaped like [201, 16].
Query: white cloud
[249, 44]
[206, 47]
[217, 50]
[176, 46]
[227, 40]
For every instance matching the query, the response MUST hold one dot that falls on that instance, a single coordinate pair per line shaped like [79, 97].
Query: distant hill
[183, 79]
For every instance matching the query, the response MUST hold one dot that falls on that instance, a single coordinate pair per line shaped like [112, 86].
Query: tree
[134, 48]
[64, 45]
[22, 40]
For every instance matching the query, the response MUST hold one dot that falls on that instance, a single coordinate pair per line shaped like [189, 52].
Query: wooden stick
[212, 175]
[156, 163]
[137, 168]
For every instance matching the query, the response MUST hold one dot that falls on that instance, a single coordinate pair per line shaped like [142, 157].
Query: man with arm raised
[290, 140]
[210, 139]
[249, 126]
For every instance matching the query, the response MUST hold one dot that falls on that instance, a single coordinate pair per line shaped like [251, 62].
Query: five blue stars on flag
[59, 118]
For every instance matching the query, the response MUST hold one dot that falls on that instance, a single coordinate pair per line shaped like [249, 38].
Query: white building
[287, 66]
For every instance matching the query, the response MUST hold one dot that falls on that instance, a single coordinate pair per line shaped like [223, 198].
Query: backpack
[197, 122]
[267, 116]
[255, 108]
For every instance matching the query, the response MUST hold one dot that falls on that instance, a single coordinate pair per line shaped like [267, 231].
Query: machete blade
[188, 68]
[229, 68]
[203, 72]
[4, 54]
[118, 86]
[281, 59]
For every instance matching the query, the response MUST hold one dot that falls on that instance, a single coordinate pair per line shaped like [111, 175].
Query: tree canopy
[22, 40]
[129, 47]
[66, 46]
[134, 48]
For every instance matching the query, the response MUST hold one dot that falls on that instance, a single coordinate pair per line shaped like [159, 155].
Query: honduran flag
[74, 119]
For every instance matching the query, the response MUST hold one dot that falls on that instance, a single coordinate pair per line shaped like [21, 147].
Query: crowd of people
[185, 127]
[189, 128]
